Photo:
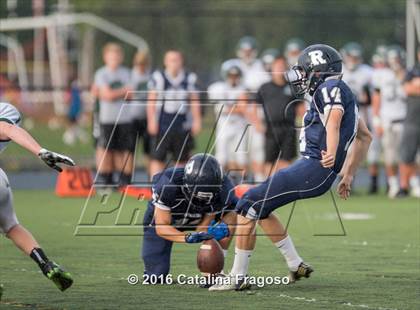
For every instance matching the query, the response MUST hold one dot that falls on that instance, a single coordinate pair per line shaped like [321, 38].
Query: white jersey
[174, 92]
[222, 93]
[8, 113]
[109, 111]
[359, 80]
[254, 74]
[139, 82]
[231, 142]
[393, 105]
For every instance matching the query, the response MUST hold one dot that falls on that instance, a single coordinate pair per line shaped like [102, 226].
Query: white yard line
[344, 303]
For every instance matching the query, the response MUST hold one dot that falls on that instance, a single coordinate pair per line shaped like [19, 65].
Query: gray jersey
[111, 112]
[139, 82]
[8, 113]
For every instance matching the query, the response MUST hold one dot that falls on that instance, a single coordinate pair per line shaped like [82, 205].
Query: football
[210, 257]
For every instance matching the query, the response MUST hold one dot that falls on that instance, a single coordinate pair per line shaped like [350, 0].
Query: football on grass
[210, 257]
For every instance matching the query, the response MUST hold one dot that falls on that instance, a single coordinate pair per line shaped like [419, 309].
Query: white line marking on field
[348, 304]
[347, 216]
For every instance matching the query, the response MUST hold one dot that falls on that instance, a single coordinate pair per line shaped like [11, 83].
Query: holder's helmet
[203, 178]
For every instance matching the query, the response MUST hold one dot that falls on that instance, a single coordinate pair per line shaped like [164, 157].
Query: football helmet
[352, 55]
[247, 49]
[230, 67]
[268, 56]
[316, 63]
[203, 178]
[379, 56]
[292, 50]
[395, 57]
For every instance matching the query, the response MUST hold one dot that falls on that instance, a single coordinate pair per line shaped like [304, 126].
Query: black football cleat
[304, 271]
[373, 188]
[61, 278]
[402, 193]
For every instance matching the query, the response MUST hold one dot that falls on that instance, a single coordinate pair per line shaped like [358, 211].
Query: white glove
[52, 159]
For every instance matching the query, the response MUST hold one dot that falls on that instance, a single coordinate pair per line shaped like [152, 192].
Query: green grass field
[375, 266]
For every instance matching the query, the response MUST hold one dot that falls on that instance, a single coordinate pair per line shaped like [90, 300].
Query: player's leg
[272, 150]
[142, 132]
[257, 141]
[24, 240]
[123, 143]
[160, 147]
[305, 178]
[104, 155]
[220, 143]
[275, 230]
[373, 158]
[410, 146]
[390, 142]
[156, 251]
[239, 149]
[244, 246]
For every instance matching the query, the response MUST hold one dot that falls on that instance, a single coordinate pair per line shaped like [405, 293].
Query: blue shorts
[305, 178]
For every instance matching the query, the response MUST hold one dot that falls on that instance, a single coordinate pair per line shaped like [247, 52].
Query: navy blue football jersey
[168, 195]
[333, 92]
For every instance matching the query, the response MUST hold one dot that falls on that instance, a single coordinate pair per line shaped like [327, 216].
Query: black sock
[104, 178]
[374, 180]
[125, 179]
[38, 255]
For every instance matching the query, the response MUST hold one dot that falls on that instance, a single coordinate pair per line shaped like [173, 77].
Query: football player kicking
[331, 125]
[197, 198]
[9, 225]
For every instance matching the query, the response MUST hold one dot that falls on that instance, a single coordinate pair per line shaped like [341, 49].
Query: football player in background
[254, 75]
[173, 112]
[358, 77]
[389, 112]
[331, 125]
[375, 150]
[280, 112]
[140, 75]
[410, 143]
[9, 224]
[268, 56]
[189, 205]
[112, 83]
[230, 98]
[292, 50]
